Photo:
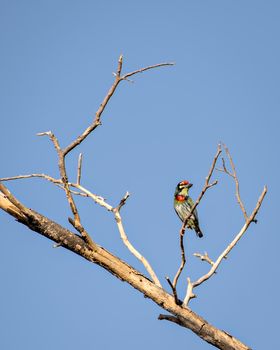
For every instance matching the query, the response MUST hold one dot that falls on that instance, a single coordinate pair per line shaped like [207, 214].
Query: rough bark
[183, 316]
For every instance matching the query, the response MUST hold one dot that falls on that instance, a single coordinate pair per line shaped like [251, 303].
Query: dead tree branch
[84, 246]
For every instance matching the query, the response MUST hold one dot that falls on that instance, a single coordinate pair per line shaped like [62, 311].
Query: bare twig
[183, 258]
[170, 318]
[233, 174]
[97, 199]
[77, 193]
[174, 291]
[96, 122]
[214, 267]
[79, 172]
[44, 176]
[206, 186]
[57, 182]
[204, 257]
[122, 201]
[129, 246]
[141, 70]
[52, 138]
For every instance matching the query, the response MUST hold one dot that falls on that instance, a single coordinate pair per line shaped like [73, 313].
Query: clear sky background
[56, 64]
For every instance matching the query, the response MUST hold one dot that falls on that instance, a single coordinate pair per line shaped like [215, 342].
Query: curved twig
[233, 174]
[99, 200]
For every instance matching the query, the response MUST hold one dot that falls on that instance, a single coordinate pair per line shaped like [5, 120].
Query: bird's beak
[189, 186]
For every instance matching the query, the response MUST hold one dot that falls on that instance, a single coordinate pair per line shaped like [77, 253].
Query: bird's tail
[198, 232]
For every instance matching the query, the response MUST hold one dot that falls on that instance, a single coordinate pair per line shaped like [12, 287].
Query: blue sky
[56, 64]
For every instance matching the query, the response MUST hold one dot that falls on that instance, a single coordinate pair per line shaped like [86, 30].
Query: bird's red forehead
[184, 182]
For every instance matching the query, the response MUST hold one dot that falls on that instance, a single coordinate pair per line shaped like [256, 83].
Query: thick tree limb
[10, 208]
[127, 273]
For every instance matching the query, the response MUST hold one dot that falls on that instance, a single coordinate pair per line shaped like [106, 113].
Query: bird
[183, 205]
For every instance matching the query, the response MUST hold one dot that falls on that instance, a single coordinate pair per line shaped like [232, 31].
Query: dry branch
[225, 253]
[44, 176]
[97, 121]
[248, 221]
[233, 174]
[129, 246]
[116, 211]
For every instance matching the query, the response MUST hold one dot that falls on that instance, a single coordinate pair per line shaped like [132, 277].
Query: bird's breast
[180, 198]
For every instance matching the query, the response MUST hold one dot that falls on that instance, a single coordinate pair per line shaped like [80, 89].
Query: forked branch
[62, 152]
[97, 120]
[118, 218]
[192, 285]
[248, 221]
